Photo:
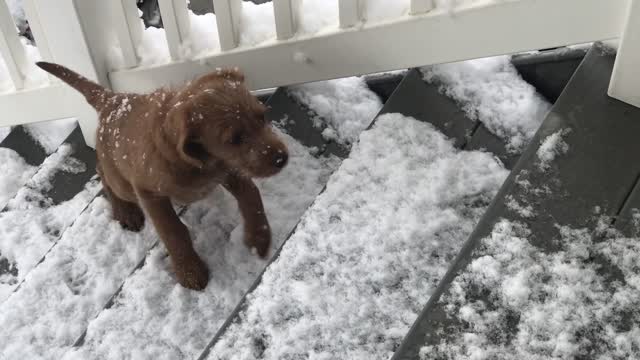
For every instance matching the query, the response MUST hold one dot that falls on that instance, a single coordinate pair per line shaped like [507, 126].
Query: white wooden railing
[82, 34]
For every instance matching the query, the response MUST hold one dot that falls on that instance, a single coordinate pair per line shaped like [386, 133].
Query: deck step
[25, 145]
[24, 149]
[127, 323]
[590, 183]
[549, 71]
[253, 333]
[43, 208]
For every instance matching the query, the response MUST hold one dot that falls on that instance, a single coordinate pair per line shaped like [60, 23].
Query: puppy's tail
[91, 91]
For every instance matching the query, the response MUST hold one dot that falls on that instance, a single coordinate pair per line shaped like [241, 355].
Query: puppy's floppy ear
[183, 128]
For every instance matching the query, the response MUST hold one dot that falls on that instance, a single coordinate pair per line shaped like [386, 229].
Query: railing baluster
[38, 32]
[351, 12]
[286, 14]
[175, 18]
[228, 19]
[625, 82]
[129, 28]
[421, 6]
[11, 48]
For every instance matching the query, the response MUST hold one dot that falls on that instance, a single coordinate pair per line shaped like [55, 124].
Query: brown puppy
[176, 146]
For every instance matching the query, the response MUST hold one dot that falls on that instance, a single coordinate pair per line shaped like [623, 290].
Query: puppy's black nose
[281, 160]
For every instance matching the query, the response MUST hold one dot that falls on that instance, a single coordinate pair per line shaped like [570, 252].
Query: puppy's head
[216, 119]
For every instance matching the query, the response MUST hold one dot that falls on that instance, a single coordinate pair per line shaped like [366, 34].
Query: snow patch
[365, 257]
[51, 134]
[552, 146]
[347, 106]
[490, 90]
[14, 173]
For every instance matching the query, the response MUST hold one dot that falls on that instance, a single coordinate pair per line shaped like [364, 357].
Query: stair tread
[592, 177]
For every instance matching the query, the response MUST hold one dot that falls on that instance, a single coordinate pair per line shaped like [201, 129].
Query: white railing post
[11, 48]
[129, 27]
[177, 26]
[37, 31]
[625, 81]
[79, 36]
[351, 12]
[286, 13]
[421, 6]
[228, 19]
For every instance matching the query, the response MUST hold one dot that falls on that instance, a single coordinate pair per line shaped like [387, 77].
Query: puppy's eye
[237, 138]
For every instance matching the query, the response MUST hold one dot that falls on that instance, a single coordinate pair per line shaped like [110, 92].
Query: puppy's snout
[280, 160]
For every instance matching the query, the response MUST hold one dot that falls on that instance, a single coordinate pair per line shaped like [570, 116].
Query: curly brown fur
[176, 146]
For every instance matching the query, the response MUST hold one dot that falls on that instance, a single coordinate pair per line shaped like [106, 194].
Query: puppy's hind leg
[190, 270]
[128, 214]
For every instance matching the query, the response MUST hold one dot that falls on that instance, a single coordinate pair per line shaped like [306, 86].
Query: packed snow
[552, 146]
[491, 91]
[344, 106]
[361, 264]
[14, 173]
[31, 224]
[561, 305]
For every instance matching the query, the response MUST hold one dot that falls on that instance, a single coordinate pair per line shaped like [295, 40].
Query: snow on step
[14, 173]
[155, 318]
[30, 224]
[4, 131]
[564, 304]
[51, 134]
[366, 256]
[491, 91]
[347, 106]
[51, 309]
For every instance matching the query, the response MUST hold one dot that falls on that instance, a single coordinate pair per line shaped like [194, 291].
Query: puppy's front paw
[259, 238]
[192, 274]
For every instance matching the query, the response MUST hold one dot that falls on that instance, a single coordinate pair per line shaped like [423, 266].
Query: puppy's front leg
[190, 270]
[257, 233]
